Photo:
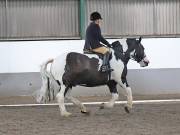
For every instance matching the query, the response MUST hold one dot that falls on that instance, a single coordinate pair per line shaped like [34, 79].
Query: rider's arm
[102, 39]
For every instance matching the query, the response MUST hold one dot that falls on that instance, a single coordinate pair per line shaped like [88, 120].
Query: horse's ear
[140, 38]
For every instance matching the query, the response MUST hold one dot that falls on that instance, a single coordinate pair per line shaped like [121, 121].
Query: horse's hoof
[102, 106]
[85, 112]
[126, 109]
[67, 114]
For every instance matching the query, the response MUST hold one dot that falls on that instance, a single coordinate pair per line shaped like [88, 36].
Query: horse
[77, 69]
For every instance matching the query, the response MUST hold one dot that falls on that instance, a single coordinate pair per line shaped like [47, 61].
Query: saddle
[87, 51]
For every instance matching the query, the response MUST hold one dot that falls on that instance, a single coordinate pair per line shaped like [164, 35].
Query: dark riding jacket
[94, 37]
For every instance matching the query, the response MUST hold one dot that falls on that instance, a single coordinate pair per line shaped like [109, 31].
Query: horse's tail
[46, 93]
[43, 70]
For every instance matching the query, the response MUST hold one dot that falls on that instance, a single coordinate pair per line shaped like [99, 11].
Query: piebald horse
[72, 69]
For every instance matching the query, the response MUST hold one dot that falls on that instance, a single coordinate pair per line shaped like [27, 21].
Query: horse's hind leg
[76, 101]
[60, 99]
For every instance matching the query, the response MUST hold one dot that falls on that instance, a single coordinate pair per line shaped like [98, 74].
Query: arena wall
[21, 60]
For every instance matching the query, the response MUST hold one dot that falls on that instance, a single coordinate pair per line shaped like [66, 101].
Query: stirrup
[106, 68]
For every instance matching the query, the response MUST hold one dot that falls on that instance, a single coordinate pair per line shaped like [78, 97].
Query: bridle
[134, 57]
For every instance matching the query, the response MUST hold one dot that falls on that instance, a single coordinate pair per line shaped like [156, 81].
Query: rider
[93, 39]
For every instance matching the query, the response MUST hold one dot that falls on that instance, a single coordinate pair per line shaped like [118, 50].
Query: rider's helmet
[95, 16]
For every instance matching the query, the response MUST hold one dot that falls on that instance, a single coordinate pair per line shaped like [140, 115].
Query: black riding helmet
[95, 16]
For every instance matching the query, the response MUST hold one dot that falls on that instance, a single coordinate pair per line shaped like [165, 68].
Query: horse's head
[136, 50]
[133, 50]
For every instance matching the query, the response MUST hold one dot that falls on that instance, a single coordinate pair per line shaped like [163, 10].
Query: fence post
[82, 19]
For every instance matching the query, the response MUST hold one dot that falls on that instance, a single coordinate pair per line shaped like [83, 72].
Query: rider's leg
[106, 53]
[103, 50]
[105, 65]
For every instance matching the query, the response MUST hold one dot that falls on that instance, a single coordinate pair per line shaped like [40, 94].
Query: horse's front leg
[128, 94]
[114, 93]
[129, 99]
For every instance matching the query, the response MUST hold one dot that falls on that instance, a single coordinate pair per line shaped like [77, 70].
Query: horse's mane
[118, 50]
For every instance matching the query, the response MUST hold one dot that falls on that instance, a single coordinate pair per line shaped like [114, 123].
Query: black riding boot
[105, 65]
